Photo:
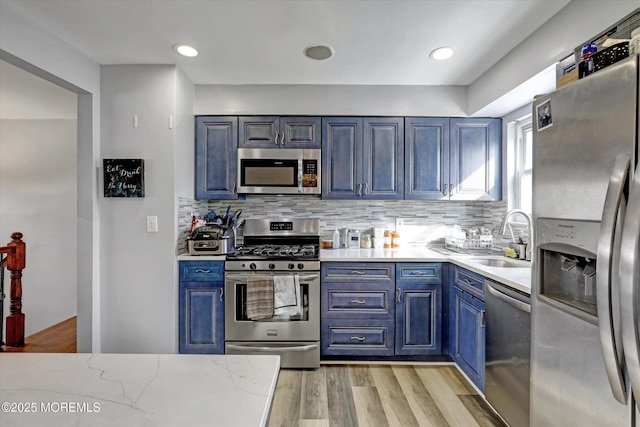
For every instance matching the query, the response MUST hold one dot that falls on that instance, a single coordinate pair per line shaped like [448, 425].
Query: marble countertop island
[136, 389]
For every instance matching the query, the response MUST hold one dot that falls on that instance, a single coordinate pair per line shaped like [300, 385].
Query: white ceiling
[383, 42]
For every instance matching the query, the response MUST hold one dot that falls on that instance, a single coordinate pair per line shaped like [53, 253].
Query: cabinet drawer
[201, 271]
[469, 281]
[357, 337]
[358, 272]
[357, 300]
[419, 272]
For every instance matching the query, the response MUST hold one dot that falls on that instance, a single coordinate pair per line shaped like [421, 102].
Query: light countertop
[517, 278]
[136, 389]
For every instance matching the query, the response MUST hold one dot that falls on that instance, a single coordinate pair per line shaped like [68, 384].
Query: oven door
[296, 339]
[279, 171]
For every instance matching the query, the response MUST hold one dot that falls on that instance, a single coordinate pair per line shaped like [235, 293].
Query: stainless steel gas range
[272, 287]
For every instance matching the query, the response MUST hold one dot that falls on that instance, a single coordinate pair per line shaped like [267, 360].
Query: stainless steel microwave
[279, 171]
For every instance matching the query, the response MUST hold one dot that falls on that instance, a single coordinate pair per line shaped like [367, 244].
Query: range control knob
[291, 266]
[252, 266]
[272, 266]
[300, 266]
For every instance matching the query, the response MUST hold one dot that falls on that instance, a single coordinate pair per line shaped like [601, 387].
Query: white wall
[33, 49]
[576, 23]
[341, 100]
[38, 198]
[139, 291]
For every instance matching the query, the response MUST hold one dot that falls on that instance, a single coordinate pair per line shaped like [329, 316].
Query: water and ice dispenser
[567, 265]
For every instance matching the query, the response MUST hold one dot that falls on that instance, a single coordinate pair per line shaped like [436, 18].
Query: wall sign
[123, 177]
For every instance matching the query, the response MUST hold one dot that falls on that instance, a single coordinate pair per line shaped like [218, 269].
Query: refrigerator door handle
[629, 283]
[606, 272]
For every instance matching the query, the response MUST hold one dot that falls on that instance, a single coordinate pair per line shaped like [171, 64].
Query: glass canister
[353, 239]
[365, 241]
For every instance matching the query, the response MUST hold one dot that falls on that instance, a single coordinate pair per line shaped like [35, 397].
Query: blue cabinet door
[300, 132]
[259, 132]
[426, 162]
[467, 336]
[418, 319]
[341, 157]
[216, 157]
[383, 158]
[201, 317]
[476, 160]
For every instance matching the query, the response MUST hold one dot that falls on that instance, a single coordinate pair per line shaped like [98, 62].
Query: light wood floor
[378, 395]
[59, 338]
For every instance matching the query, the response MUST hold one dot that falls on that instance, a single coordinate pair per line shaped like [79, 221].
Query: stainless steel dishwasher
[508, 343]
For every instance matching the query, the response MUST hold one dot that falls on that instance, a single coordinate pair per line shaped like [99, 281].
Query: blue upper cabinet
[475, 159]
[216, 157]
[362, 158]
[453, 159]
[279, 132]
[426, 163]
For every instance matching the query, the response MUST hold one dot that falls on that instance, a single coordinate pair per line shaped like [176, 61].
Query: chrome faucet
[503, 229]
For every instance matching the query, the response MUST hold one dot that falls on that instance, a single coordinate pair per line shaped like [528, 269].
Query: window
[524, 164]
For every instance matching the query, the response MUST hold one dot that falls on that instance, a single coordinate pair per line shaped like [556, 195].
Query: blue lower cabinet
[201, 307]
[418, 319]
[467, 335]
[351, 337]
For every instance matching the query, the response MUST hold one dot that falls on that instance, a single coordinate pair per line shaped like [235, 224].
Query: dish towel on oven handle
[259, 303]
[287, 300]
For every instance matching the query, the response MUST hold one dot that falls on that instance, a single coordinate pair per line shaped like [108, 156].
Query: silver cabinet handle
[358, 338]
[629, 271]
[233, 188]
[359, 190]
[468, 282]
[359, 273]
[366, 186]
[614, 204]
[276, 138]
[282, 141]
[221, 293]
[200, 270]
[482, 322]
[446, 188]
[419, 273]
[357, 301]
[398, 295]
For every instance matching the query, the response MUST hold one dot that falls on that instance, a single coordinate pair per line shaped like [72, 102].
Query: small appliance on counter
[211, 239]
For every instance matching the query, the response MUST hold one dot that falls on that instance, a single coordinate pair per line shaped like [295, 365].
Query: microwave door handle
[629, 284]
[609, 337]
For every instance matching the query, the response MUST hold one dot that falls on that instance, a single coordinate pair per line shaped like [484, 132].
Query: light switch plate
[152, 224]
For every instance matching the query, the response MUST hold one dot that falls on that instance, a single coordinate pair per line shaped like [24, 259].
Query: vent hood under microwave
[279, 171]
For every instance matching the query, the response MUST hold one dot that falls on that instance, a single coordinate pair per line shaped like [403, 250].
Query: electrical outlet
[399, 222]
[152, 224]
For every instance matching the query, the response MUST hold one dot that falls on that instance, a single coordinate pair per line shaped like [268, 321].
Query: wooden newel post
[15, 264]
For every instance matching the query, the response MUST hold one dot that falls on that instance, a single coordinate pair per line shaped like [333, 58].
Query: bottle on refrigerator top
[336, 239]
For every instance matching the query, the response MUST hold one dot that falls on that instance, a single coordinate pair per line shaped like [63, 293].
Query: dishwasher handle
[520, 305]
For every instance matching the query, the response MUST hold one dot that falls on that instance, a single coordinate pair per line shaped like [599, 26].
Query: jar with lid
[395, 239]
[387, 239]
[365, 241]
[353, 239]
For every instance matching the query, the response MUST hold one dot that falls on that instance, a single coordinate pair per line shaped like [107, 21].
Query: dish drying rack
[470, 241]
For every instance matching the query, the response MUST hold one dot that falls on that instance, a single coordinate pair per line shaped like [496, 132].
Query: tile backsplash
[424, 221]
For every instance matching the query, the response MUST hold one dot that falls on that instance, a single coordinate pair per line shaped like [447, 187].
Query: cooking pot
[211, 239]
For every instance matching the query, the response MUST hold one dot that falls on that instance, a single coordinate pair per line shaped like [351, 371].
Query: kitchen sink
[503, 263]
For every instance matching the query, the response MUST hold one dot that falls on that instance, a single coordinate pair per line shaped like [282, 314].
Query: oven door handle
[272, 349]
[243, 278]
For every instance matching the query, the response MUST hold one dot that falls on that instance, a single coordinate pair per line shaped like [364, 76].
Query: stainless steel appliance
[211, 239]
[586, 209]
[279, 171]
[278, 256]
[507, 357]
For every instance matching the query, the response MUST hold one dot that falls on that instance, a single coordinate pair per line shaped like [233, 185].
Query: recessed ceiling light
[441, 53]
[318, 52]
[185, 50]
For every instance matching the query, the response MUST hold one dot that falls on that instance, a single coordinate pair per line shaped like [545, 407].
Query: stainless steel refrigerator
[586, 211]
